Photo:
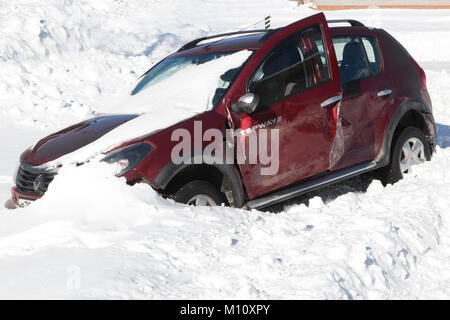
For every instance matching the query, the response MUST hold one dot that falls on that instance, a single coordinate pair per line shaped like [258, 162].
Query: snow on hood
[185, 94]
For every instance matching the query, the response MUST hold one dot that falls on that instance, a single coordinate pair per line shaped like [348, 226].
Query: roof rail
[193, 43]
[353, 23]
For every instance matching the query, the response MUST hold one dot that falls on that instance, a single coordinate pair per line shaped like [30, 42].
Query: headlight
[129, 157]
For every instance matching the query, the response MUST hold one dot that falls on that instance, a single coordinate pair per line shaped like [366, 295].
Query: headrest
[353, 54]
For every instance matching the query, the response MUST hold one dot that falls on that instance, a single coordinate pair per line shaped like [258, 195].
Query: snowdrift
[93, 236]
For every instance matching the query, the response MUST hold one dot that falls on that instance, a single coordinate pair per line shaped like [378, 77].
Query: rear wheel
[411, 148]
[200, 193]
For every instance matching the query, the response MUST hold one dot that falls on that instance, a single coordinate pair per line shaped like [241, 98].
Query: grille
[32, 181]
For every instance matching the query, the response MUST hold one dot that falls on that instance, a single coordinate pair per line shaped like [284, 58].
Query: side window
[373, 54]
[297, 64]
[351, 58]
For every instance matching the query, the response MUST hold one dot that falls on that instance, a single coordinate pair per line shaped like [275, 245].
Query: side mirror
[246, 104]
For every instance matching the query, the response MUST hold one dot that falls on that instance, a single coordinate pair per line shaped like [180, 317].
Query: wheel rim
[202, 200]
[413, 153]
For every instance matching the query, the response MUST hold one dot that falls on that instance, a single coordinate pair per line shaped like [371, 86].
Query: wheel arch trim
[229, 171]
[411, 105]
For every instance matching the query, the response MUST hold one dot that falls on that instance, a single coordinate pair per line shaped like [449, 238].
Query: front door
[299, 88]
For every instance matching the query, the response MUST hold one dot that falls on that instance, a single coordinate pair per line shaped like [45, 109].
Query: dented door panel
[363, 116]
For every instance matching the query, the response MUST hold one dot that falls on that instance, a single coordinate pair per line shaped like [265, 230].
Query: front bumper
[21, 199]
[31, 183]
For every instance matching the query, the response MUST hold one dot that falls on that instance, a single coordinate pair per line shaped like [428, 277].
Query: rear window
[373, 54]
[358, 57]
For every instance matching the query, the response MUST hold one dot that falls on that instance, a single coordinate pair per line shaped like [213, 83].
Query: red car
[345, 99]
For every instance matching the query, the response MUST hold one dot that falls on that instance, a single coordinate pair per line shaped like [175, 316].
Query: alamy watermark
[73, 281]
[257, 145]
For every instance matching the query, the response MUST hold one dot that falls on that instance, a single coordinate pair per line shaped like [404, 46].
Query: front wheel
[200, 193]
[411, 148]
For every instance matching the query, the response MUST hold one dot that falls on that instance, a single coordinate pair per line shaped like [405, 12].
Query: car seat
[354, 64]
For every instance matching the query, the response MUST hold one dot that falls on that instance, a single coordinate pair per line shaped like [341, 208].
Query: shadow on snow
[356, 184]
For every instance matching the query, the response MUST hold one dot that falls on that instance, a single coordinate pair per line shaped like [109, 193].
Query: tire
[200, 193]
[411, 148]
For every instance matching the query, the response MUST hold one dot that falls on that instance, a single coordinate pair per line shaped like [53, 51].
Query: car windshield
[188, 72]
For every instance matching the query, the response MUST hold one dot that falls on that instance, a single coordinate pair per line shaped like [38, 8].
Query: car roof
[254, 39]
[342, 31]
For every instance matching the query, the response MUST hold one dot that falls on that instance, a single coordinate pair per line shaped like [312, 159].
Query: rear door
[299, 87]
[367, 96]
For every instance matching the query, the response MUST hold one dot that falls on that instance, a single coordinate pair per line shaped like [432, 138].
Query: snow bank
[93, 236]
[358, 245]
[61, 62]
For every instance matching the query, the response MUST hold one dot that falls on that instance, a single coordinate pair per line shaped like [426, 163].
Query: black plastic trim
[299, 189]
[228, 170]
[418, 106]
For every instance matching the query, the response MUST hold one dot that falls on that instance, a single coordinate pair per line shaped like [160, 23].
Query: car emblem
[38, 182]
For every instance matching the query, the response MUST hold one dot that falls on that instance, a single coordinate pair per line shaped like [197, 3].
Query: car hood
[72, 138]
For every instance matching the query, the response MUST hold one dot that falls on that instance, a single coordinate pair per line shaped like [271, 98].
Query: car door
[367, 94]
[299, 88]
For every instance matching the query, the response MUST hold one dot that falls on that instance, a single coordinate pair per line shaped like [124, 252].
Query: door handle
[330, 101]
[384, 93]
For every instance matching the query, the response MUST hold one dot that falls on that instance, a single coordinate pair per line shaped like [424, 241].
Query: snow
[191, 92]
[93, 236]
